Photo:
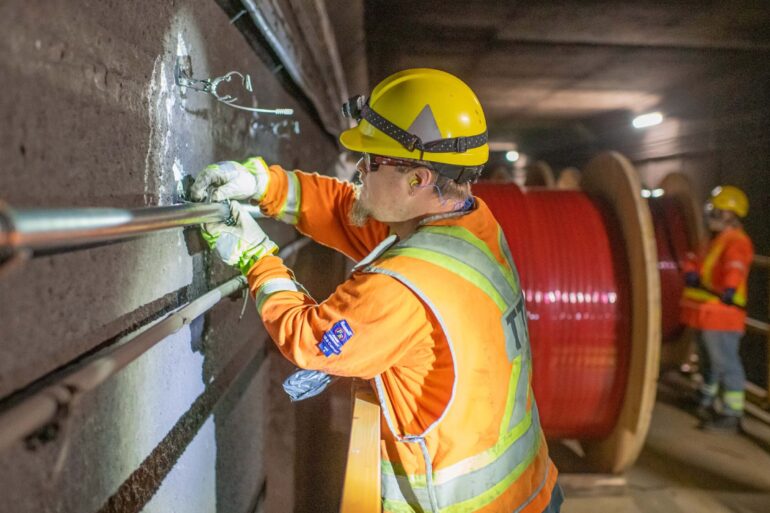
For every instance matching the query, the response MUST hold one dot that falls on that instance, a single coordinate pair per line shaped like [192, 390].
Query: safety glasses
[369, 163]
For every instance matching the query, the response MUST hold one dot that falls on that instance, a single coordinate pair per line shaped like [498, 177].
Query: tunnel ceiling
[552, 67]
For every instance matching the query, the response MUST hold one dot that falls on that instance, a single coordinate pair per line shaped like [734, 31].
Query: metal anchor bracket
[183, 77]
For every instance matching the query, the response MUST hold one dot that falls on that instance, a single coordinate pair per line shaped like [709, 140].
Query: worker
[433, 313]
[714, 303]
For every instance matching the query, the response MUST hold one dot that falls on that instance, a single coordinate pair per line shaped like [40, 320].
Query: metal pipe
[38, 229]
[43, 408]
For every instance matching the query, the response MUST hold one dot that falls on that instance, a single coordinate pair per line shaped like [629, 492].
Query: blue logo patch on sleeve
[335, 338]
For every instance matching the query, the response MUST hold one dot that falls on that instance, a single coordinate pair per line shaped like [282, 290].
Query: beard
[359, 215]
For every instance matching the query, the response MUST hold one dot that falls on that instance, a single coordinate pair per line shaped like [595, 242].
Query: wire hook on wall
[183, 77]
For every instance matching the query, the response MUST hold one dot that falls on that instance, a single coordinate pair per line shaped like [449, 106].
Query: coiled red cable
[673, 246]
[574, 273]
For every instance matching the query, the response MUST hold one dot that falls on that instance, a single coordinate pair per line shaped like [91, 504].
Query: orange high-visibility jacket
[724, 265]
[437, 323]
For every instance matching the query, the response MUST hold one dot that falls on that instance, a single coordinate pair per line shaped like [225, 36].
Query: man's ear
[422, 175]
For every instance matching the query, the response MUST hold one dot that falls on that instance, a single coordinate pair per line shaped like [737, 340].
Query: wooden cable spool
[540, 174]
[569, 179]
[596, 384]
[679, 229]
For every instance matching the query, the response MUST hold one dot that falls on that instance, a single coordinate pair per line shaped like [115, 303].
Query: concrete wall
[92, 117]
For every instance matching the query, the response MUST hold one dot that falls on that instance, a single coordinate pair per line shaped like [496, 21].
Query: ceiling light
[512, 156]
[649, 119]
[652, 193]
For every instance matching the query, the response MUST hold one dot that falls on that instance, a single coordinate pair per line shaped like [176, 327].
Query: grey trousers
[721, 367]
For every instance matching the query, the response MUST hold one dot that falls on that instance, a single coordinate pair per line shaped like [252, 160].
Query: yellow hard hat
[421, 114]
[727, 197]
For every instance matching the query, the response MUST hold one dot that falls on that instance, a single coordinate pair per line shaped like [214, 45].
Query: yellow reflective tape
[470, 464]
[455, 266]
[493, 493]
[734, 400]
[709, 262]
[392, 506]
[482, 499]
[289, 211]
[700, 295]
[513, 384]
[270, 287]
[464, 234]
[740, 295]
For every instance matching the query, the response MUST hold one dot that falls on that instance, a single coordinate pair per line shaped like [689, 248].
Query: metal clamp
[11, 257]
[183, 77]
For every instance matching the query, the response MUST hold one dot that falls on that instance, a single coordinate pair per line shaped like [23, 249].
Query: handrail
[45, 406]
[761, 261]
[757, 326]
[39, 229]
[761, 328]
[361, 489]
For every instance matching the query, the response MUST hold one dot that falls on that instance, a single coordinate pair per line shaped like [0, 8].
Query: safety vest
[701, 306]
[481, 447]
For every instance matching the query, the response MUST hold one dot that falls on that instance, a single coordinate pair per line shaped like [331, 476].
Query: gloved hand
[240, 241]
[231, 180]
[727, 296]
[692, 279]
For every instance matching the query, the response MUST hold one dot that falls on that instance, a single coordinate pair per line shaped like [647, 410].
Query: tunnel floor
[681, 469]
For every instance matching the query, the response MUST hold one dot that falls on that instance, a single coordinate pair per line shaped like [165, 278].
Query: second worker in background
[714, 303]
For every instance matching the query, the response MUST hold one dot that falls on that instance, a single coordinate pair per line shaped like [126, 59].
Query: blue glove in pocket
[305, 384]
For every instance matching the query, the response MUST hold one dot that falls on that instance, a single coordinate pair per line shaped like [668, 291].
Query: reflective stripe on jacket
[484, 449]
[725, 265]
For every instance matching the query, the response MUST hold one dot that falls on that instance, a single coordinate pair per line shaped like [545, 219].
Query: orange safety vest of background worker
[722, 266]
[433, 314]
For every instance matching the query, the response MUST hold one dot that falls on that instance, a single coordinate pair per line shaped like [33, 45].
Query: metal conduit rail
[45, 406]
[43, 229]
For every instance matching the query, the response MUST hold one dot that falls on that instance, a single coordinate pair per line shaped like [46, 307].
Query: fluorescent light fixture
[649, 119]
[512, 156]
[652, 193]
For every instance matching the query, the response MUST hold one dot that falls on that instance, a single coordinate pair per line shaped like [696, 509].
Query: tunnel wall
[92, 117]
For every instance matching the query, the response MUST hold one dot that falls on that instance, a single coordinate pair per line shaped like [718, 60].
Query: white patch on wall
[168, 380]
[161, 100]
[152, 94]
[178, 170]
[172, 125]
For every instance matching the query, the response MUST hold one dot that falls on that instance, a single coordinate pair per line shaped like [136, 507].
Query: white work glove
[230, 180]
[240, 241]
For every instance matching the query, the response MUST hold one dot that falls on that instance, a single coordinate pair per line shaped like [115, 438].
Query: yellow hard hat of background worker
[732, 199]
[421, 114]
